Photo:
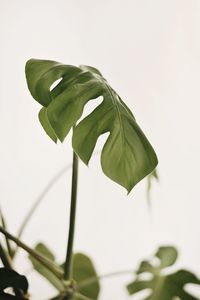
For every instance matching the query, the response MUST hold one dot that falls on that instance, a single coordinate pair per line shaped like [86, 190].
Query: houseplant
[127, 157]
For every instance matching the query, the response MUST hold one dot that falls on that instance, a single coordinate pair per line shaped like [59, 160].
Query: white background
[150, 53]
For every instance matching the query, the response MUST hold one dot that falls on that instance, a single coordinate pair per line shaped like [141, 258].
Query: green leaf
[163, 286]
[11, 279]
[44, 271]
[81, 297]
[127, 156]
[84, 269]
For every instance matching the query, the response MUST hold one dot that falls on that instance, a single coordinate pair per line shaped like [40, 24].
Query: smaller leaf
[45, 251]
[84, 269]
[161, 286]
[45, 272]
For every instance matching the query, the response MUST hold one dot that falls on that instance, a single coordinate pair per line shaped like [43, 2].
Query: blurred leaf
[64, 296]
[79, 296]
[163, 286]
[44, 271]
[83, 269]
[12, 279]
[127, 156]
[167, 256]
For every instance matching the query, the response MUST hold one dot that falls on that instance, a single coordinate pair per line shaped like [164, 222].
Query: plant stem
[93, 279]
[68, 262]
[4, 258]
[38, 256]
[9, 248]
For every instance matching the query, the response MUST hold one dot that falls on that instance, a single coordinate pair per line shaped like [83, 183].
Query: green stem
[4, 258]
[68, 262]
[38, 256]
[93, 279]
[9, 248]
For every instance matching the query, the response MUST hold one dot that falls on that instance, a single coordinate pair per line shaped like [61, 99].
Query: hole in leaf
[89, 107]
[96, 157]
[155, 261]
[193, 290]
[55, 83]
[146, 276]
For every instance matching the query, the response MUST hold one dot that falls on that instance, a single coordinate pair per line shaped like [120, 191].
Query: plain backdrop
[150, 53]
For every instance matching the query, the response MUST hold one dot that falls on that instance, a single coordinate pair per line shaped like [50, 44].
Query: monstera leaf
[11, 279]
[127, 156]
[83, 269]
[165, 286]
